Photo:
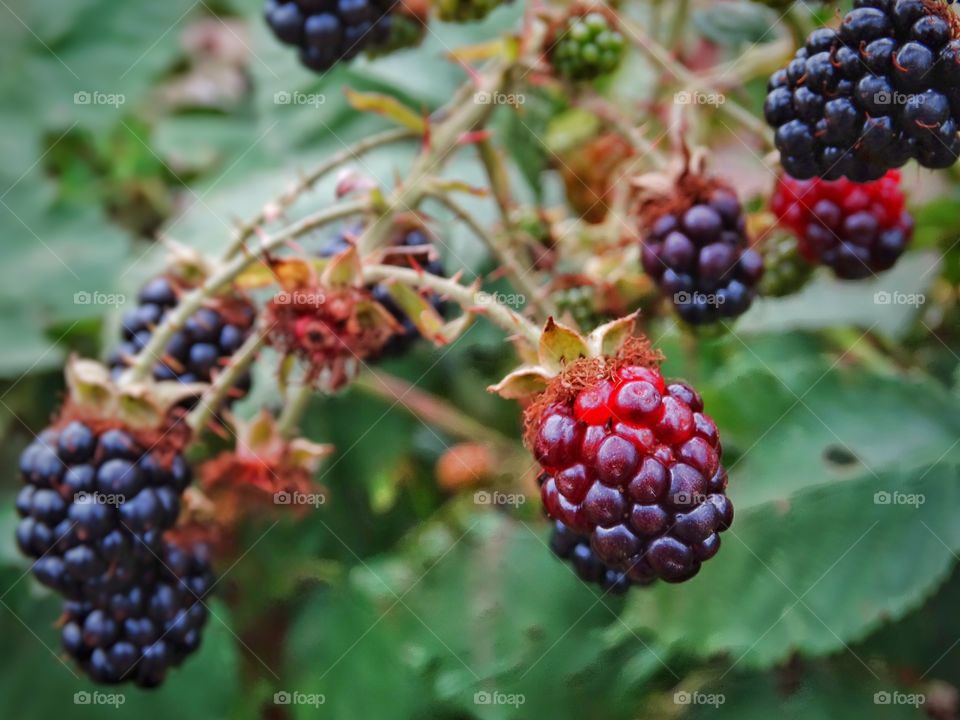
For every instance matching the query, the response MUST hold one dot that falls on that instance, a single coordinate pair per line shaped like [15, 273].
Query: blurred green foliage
[397, 600]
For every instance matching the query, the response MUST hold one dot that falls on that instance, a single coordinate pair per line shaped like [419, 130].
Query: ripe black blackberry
[863, 99]
[138, 632]
[575, 549]
[196, 352]
[328, 31]
[94, 504]
[427, 260]
[697, 253]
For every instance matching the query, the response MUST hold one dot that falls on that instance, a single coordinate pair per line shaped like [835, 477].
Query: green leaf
[814, 573]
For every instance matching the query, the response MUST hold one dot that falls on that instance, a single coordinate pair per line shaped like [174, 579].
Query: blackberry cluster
[575, 549]
[633, 464]
[855, 229]
[787, 271]
[863, 99]
[93, 511]
[587, 47]
[700, 259]
[400, 343]
[153, 624]
[328, 31]
[195, 353]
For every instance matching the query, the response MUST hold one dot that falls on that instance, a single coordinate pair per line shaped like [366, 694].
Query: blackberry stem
[288, 424]
[217, 393]
[221, 278]
[504, 253]
[692, 81]
[430, 409]
[285, 201]
[444, 138]
[470, 299]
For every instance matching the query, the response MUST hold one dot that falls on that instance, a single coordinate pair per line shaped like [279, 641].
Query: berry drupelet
[698, 255]
[93, 504]
[881, 89]
[575, 549]
[633, 464]
[196, 352]
[328, 31]
[587, 47]
[138, 632]
[855, 229]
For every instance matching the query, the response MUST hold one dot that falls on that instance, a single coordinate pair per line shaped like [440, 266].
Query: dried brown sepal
[674, 191]
[332, 329]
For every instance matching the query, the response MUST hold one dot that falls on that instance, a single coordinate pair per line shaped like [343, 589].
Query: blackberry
[587, 47]
[633, 464]
[137, 632]
[92, 502]
[428, 261]
[787, 272]
[863, 99]
[196, 352]
[328, 31]
[700, 259]
[575, 549]
[857, 230]
[580, 301]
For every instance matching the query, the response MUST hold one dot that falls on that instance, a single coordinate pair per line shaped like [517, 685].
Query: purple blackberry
[861, 100]
[700, 259]
[328, 31]
[92, 503]
[196, 352]
[634, 465]
[575, 549]
[428, 261]
[137, 632]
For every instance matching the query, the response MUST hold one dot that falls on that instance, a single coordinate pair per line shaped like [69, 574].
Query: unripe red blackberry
[881, 89]
[329, 31]
[633, 464]
[697, 252]
[856, 229]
